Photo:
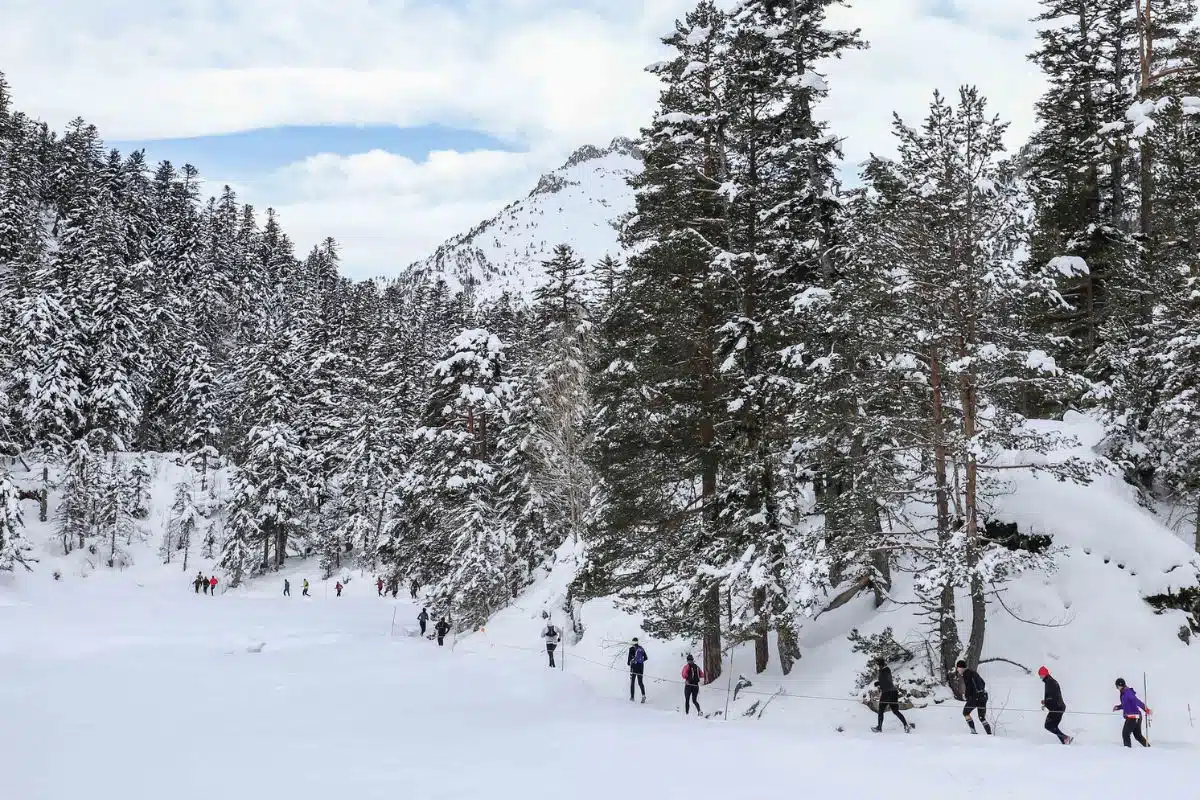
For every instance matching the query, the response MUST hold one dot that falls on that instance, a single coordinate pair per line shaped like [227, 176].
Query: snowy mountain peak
[577, 204]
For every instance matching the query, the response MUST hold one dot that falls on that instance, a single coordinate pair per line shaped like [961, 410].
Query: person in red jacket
[338, 588]
[212, 585]
[379, 586]
[692, 675]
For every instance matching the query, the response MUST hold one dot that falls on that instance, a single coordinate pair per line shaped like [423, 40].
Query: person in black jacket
[975, 691]
[441, 629]
[637, 667]
[889, 698]
[1054, 705]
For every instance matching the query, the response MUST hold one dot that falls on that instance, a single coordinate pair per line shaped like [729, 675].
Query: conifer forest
[798, 379]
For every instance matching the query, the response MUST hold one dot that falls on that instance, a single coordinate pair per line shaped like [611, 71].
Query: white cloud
[552, 75]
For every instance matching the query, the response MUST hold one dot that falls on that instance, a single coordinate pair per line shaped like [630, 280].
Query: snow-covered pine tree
[657, 390]
[563, 353]
[964, 299]
[1077, 181]
[468, 553]
[782, 233]
[13, 548]
[184, 524]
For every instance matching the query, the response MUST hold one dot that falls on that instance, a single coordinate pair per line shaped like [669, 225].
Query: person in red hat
[1054, 705]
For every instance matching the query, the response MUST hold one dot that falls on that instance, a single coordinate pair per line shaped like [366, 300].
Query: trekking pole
[392, 632]
[1146, 696]
[728, 688]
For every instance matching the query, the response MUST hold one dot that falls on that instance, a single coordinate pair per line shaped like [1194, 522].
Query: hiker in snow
[1131, 707]
[637, 668]
[413, 589]
[196, 583]
[977, 697]
[304, 588]
[441, 629]
[889, 698]
[204, 584]
[692, 675]
[287, 588]
[379, 586]
[212, 585]
[1054, 705]
[550, 634]
[423, 618]
[338, 588]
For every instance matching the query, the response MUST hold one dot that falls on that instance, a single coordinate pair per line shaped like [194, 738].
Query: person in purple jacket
[1131, 707]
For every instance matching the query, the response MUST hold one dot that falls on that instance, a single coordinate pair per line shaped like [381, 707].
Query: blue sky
[243, 155]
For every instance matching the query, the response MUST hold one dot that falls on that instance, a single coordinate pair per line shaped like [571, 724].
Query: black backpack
[693, 674]
[551, 631]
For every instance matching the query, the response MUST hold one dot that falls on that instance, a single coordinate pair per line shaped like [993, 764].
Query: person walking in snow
[212, 585]
[304, 588]
[287, 588]
[204, 584]
[1131, 707]
[196, 583]
[441, 629]
[692, 675]
[413, 589]
[636, 659]
[379, 586]
[422, 619]
[975, 691]
[889, 698]
[551, 636]
[338, 588]
[1052, 701]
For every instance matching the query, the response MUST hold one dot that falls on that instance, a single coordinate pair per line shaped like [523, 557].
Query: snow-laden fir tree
[783, 219]
[465, 548]
[658, 392]
[954, 232]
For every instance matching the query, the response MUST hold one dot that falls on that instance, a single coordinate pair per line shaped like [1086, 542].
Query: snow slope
[576, 204]
[113, 690]
[141, 684]
[1110, 554]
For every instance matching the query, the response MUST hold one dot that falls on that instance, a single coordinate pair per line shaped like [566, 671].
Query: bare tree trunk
[712, 633]
[762, 652]
[978, 600]
[950, 644]
[44, 499]
[1196, 524]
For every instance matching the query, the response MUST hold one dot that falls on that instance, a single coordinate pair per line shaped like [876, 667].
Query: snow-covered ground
[114, 690]
[126, 684]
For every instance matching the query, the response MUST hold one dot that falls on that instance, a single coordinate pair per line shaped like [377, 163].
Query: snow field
[116, 692]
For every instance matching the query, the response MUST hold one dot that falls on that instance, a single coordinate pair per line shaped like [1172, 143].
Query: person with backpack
[975, 691]
[441, 629]
[889, 698]
[287, 588]
[1131, 707]
[196, 583]
[204, 584]
[413, 589]
[636, 659]
[692, 675]
[422, 619]
[1052, 701]
[212, 583]
[551, 636]
[337, 587]
[304, 588]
